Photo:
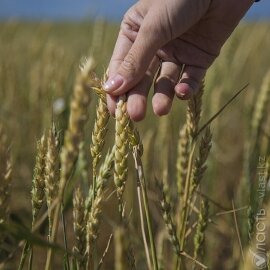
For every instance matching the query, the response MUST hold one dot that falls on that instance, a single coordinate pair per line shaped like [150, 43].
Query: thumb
[136, 62]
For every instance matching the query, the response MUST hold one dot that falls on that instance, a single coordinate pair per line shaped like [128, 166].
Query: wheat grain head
[38, 183]
[194, 110]
[121, 147]
[79, 226]
[51, 172]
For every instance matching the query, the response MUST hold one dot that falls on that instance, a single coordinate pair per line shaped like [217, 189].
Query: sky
[83, 9]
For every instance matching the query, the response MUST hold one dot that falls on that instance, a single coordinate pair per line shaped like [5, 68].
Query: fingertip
[189, 83]
[136, 108]
[111, 104]
[161, 104]
[137, 96]
[113, 83]
[164, 88]
[184, 91]
[137, 116]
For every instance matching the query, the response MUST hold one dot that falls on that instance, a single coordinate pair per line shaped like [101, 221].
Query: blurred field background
[38, 64]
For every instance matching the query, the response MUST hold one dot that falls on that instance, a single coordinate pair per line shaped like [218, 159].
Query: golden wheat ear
[167, 217]
[79, 227]
[182, 160]
[99, 133]
[79, 106]
[199, 237]
[93, 203]
[52, 167]
[38, 183]
[121, 148]
[260, 108]
[200, 166]
[194, 111]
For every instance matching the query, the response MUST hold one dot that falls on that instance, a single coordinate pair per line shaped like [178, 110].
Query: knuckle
[126, 19]
[132, 19]
[129, 63]
[126, 22]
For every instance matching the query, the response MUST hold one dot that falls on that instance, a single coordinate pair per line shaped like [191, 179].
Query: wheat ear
[121, 150]
[171, 226]
[182, 159]
[37, 194]
[98, 134]
[260, 107]
[38, 183]
[79, 226]
[93, 207]
[104, 174]
[73, 137]
[98, 38]
[167, 216]
[194, 110]
[51, 173]
[135, 139]
[199, 237]
[199, 165]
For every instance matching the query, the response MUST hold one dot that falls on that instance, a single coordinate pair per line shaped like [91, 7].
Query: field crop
[80, 189]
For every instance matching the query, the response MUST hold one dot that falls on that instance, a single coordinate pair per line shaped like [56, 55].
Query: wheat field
[80, 189]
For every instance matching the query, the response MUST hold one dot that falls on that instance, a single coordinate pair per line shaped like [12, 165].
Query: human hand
[173, 33]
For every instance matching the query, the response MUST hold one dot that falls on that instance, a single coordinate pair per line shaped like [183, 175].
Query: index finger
[121, 49]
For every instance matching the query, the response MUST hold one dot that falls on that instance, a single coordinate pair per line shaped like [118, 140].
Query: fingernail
[113, 83]
[182, 96]
[185, 96]
[183, 91]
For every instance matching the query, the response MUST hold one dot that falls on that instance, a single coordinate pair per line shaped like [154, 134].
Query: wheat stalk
[137, 149]
[101, 261]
